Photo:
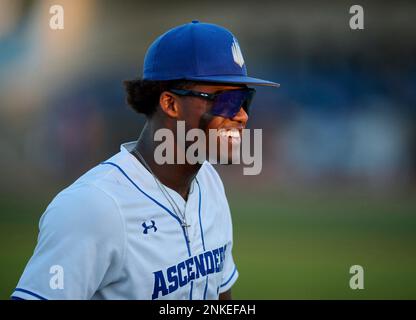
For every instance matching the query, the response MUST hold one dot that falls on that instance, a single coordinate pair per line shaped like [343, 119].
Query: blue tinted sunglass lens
[229, 103]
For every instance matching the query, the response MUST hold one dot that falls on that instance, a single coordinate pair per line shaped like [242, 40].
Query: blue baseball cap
[198, 52]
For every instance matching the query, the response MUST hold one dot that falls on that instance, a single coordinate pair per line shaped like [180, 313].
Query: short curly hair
[143, 95]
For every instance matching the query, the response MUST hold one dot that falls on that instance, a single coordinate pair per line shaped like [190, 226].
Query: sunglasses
[226, 103]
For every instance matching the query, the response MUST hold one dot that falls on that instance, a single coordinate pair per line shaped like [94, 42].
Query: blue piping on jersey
[190, 292]
[202, 234]
[205, 290]
[199, 213]
[155, 201]
[229, 279]
[30, 293]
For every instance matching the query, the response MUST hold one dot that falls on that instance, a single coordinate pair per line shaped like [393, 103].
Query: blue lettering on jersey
[179, 275]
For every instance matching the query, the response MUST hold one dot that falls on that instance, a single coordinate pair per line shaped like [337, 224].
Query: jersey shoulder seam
[211, 171]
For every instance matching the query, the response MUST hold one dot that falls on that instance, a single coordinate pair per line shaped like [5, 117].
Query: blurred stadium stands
[344, 114]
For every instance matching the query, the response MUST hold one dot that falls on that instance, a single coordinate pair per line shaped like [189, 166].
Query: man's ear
[169, 104]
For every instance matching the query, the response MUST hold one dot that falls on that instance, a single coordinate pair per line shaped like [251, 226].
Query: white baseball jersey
[113, 235]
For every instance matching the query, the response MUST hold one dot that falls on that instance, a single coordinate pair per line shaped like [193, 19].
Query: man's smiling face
[196, 113]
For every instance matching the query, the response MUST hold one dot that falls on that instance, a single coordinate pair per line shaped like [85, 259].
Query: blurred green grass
[286, 246]
[302, 247]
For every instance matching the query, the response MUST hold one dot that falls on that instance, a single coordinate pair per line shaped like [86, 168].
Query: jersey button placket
[193, 211]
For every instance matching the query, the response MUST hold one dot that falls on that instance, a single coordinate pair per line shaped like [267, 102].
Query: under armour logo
[237, 55]
[146, 227]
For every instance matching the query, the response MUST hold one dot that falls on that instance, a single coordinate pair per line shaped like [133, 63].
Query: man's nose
[241, 116]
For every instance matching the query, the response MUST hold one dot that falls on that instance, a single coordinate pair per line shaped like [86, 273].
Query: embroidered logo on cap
[237, 55]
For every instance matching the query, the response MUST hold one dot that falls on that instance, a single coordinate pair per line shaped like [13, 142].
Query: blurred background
[338, 183]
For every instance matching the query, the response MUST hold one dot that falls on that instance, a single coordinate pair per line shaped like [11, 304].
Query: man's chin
[224, 160]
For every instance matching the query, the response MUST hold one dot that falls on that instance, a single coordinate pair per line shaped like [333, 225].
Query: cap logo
[237, 55]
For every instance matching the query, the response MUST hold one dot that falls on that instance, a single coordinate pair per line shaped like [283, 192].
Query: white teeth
[229, 133]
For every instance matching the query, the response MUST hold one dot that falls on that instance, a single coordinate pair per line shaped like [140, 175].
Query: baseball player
[133, 229]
